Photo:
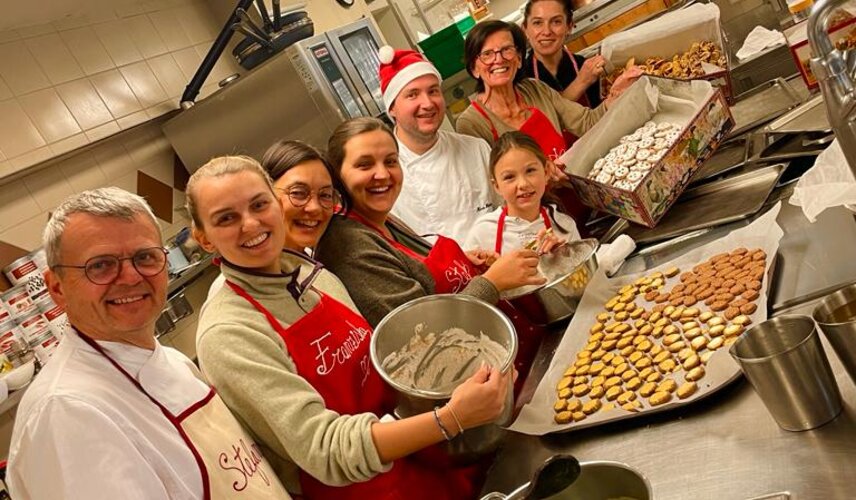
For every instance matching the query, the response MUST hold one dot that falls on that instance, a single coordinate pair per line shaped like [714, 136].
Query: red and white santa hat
[398, 68]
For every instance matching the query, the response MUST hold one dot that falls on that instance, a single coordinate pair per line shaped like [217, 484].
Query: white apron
[230, 462]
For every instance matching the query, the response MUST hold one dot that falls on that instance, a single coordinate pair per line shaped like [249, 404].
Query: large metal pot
[438, 313]
[568, 270]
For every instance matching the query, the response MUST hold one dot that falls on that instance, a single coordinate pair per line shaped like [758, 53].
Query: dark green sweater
[378, 276]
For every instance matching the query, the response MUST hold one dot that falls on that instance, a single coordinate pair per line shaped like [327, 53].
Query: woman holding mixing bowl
[268, 339]
[384, 264]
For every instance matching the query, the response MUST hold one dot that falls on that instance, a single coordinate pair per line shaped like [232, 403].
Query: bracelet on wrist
[455, 416]
[440, 424]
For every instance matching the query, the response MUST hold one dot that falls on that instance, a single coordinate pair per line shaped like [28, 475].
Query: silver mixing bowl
[438, 313]
[568, 271]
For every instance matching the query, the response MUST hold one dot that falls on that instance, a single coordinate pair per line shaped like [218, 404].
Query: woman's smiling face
[498, 71]
[371, 173]
[242, 220]
[308, 201]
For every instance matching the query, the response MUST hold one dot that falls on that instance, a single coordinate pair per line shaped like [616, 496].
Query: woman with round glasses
[287, 349]
[506, 100]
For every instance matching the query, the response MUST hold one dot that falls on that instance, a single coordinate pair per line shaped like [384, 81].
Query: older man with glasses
[115, 414]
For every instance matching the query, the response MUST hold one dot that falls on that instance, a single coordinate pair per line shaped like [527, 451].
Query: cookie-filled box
[684, 121]
[686, 44]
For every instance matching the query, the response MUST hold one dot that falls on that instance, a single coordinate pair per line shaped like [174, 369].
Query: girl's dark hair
[475, 41]
[346, 131]
[566, 6]
[284, 155]
[516, 139]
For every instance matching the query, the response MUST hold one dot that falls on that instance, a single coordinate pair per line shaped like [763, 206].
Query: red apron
[540, 128]
[527, 347]
[452, 271]
[350, 385]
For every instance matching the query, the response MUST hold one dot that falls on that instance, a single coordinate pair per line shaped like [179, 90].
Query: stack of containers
[29, 314]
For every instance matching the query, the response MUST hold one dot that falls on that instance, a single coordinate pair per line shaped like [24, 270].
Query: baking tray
[761, 104]
[536, 417]
[781, 147]
[713, 204]
[808, 117]
[730, 155]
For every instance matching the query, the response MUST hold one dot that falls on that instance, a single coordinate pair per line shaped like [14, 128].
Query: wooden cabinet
[616, 24]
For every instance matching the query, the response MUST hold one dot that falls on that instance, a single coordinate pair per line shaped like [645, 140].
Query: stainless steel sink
[599, 480]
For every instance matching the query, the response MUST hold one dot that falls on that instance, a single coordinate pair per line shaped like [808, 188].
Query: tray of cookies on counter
[658, 340]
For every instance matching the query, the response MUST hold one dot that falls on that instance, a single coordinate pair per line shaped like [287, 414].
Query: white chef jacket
[446, 188]
[517, 232]
[83, 430]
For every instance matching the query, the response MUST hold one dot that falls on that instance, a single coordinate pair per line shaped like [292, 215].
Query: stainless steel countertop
[726, 446]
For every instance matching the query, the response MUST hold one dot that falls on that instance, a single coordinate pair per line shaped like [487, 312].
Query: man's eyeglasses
[299, 196]
[488, 56]
[104, 269]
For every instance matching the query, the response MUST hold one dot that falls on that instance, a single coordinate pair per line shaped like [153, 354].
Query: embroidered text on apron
[230, 462]
[349, 385]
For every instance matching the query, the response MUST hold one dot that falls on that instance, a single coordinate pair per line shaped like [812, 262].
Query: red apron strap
[206, 484]
[546, 218]
[404, 248]
[481, 110]
[500, 228]
[262, 309]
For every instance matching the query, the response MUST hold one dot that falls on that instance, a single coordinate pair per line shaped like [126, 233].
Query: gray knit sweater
[378, 276]
[249, 364]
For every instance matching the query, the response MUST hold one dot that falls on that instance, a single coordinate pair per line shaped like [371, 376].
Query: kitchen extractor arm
[217, 48]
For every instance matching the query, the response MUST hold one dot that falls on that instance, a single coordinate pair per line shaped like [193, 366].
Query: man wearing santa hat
[446, 177]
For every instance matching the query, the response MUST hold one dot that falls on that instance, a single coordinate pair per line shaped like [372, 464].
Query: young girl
[518, 170]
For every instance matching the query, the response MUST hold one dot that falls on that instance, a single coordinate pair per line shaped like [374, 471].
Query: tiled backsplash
[70, 83]
[119, 161]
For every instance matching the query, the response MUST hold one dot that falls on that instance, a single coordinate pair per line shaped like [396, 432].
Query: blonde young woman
[272, 341]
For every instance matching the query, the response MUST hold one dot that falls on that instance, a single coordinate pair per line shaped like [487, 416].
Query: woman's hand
[515, 269]
[481, 398]
[591, 70]
[482, 258]
[624, 81]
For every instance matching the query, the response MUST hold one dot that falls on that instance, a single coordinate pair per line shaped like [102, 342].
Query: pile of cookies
[627, 164]
[684, 66]
[654, 338]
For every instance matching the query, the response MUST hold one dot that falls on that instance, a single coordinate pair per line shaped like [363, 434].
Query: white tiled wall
[67, 84]
[26, 203]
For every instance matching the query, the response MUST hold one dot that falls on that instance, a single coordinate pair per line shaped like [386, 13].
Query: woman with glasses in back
[287, 349]
[303, 183]
[506, 100]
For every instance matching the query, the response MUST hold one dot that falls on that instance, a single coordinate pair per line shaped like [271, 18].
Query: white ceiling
[23, 13]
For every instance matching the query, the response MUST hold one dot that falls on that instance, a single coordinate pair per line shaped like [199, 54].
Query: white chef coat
[84, 431]
[518, 232]
[446, 188]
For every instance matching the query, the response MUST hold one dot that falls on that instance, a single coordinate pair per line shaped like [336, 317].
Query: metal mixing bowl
[568, 271]
[438, 313]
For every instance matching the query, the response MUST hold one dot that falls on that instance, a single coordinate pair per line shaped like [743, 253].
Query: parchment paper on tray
[537, 416]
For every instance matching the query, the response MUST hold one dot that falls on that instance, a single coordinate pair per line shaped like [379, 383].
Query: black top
[565, 76]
